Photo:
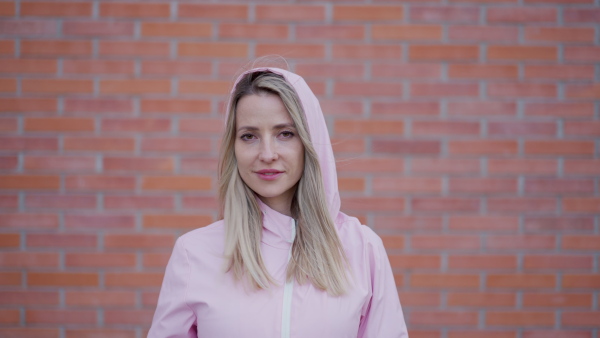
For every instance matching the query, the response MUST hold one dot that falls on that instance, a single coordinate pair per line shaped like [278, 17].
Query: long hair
[317, 253]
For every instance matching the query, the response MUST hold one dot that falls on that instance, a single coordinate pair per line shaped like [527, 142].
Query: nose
[268, 152]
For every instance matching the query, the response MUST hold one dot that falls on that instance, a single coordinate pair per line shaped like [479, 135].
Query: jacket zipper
[287, 294]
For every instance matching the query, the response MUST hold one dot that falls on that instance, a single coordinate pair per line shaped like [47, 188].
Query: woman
[284, 261]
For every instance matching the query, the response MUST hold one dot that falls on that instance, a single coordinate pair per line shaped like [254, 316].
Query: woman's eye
[247, 137]
[287, 134]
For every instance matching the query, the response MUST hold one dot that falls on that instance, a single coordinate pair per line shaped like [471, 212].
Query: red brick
[443, 53]
[143, 49]
[366, 127]
[482, 185]
[559, 186]
[444, 90]
[200, 202]
[580, 319]
[29, 298]
[406, 32]
[560, 109]
[393, 109]
[408, 222]
[582, 54]
[368, 89]
[98, 29]
[526, 15]
[176, 183]
[444, 204]
[444, 242]
[483, 223]
[468, 71]
[482, 262]
[521, 281]
[557, 300]
[213, 11]
[201, 126]
[27, 221]
[171, 221]
[557, 262]
[481, 300]
[8, 125]
[99, 144]
[439, 128]
[343, 145]
[443, 318]
[405, 185]
[175, 106]
[444, 166]
[176, 29]
[521, 128]
[367, 51]
[367, 13]
[57, 86]
[10, 278]
[253, 31]
[483, 33]
[100, 260]
[414, 298]
[96, 333]
[32, 182]
[521, 204]
[521, 242]
[581, 15]
[133, 279]
[23, 332]
[135, 10]
[28, 66]
[582, 128]
[581, 281]
[28, 143]
[292, 51]
[62, 279]
[63, 240]
[136, 86]
[213, 49]
[55, 201]
[582, 91]
[156, 260]
[581, 204]
[553, 333]
[138, 202]
[63, 317]
[586, 167]
[444, 281]
[371, 164]
[413, 262]
[103, 105]
[373, 203]
[7, 47]
[522, 53]
[59, 124]
[530, 90]
[179, 144]
[10, 240]
[139, 241]
[56, 9]
[519, 318]
[8, 9]
[559, 148]
[99, 182]
[522, 166]
[99, 221]
[411, 71]
[128, 317]
[9, 162]
[24, 105]
[560, 34]
[482, 147]
[290, 13]
[128, 164]
[55, 48]
[462, 14]
[559, 224]
[170, 68]
[479, 108]
[337, 70]
[29, 259]
[99, 67]
[204, 87]
[580, 242]
[100, 298]
[143, 125]
[8, 85]
[10, 316]
[28, 28]
[330, 32]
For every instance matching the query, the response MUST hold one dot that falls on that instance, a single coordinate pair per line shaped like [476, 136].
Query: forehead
[263, 109]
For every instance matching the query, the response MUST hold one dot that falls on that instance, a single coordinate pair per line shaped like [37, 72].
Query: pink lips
[269, 174]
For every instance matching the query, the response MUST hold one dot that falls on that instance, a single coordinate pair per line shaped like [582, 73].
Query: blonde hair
[317, 253]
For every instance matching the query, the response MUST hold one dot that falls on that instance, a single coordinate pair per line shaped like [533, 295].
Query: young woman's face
[269, 153]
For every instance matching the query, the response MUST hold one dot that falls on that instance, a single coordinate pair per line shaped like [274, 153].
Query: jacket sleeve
[173, 316]
[382, 317]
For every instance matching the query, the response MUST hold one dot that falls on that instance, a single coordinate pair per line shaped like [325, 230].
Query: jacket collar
[278, 229]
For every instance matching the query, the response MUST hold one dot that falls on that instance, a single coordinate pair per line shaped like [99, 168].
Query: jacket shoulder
[207, 238]
[353, 233]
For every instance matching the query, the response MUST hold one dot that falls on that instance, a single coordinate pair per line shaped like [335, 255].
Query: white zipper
[286, 313]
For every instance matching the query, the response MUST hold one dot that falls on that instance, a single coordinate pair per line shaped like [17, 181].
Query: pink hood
[199, 299]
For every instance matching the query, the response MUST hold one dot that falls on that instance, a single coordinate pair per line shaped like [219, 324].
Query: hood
[318, 134]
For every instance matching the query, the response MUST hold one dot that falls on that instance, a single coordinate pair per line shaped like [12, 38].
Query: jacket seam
[187, 281]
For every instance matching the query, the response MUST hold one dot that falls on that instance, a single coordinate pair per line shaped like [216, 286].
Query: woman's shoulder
[208, 237]
[353, 232]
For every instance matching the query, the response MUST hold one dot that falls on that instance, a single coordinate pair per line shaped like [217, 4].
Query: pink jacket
[198, 299]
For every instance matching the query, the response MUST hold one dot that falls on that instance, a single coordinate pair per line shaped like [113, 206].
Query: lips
[269, 174]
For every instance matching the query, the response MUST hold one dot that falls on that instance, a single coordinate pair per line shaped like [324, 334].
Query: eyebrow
[277, 126]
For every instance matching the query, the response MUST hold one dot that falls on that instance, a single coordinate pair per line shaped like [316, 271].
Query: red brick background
[467, 134]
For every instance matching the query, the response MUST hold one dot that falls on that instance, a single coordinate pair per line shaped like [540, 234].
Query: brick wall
[467, 134]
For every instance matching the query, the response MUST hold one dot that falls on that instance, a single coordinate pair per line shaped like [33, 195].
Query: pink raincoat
[198, 299]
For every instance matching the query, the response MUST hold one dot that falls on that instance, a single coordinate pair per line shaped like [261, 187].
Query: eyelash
[247, 137]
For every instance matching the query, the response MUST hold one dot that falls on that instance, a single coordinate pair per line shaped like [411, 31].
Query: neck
[282, 206]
